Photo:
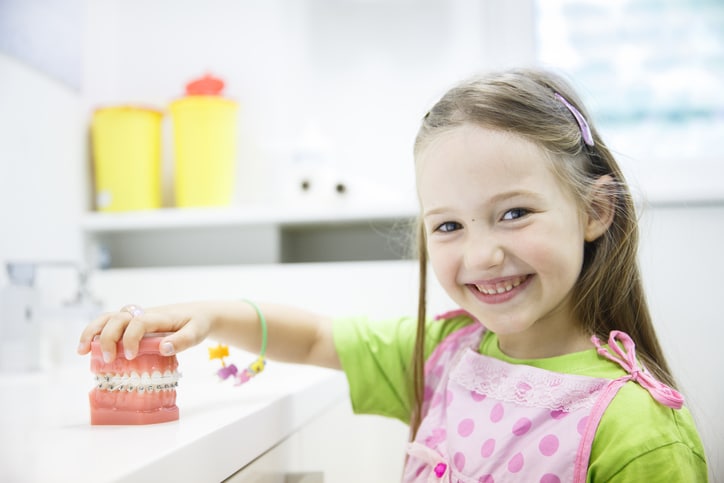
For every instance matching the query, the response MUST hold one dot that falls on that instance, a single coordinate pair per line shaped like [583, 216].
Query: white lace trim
[525, 385]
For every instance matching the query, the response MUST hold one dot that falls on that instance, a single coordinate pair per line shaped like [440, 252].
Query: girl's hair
[609, 293]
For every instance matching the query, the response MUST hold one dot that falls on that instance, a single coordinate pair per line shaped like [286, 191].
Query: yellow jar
[126, 146]
[204, 138]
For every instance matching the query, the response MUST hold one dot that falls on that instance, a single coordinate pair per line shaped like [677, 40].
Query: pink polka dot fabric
[490, 421]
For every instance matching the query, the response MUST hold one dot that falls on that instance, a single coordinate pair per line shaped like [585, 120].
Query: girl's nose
[483, 251]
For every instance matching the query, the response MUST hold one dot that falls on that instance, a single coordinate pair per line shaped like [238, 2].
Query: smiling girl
[550, 370]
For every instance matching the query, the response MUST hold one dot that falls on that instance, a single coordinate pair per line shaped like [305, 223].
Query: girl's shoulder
[637, 435]
[448, 326]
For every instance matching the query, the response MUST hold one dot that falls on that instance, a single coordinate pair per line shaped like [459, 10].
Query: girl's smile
[500, 290]
[504, 238]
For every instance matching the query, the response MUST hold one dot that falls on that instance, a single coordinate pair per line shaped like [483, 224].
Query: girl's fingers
[90, 331]
[112, 333]
[130, 327]
[187, 336]
[146, 323]
[117, 320]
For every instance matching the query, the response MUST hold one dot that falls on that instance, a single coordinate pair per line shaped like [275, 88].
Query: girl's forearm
[293, 335]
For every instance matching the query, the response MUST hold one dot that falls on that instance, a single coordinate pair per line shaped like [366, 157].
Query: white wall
[42, 166]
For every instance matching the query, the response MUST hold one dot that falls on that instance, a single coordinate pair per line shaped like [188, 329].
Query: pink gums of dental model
[137, 391]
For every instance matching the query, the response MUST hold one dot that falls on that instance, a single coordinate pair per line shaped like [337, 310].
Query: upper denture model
[137, 391]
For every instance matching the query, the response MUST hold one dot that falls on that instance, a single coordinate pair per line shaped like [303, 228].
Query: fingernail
[106, 357]
[167, 349]
[81, 348]
[129, 355]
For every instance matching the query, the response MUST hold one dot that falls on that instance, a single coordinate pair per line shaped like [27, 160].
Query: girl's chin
[501, 326]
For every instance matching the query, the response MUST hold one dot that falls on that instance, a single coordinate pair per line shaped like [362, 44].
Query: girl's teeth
[500, 288]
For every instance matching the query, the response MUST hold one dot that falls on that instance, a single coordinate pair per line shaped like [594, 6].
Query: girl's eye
[448, 226]
[515, 213]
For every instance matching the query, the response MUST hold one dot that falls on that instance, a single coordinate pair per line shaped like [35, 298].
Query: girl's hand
[188, 327]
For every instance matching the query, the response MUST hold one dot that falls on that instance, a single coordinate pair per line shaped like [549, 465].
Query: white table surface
[45, 433]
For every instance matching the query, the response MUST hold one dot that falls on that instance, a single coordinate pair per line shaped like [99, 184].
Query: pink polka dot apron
[489, 421]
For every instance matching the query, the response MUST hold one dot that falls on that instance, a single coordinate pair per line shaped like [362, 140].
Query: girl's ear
[601, 208]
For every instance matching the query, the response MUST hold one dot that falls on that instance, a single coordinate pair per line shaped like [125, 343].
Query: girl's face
[504, 237]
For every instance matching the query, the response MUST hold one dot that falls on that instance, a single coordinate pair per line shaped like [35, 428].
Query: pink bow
[627, 359]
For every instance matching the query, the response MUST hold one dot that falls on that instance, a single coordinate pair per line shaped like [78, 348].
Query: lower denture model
[137, 391]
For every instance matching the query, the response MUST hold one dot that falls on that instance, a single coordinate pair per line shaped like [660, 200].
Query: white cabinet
[335, 446]
[273, 467]
[252, 234]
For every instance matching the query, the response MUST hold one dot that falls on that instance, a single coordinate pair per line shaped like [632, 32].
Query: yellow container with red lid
[205, 143]
[126, 148]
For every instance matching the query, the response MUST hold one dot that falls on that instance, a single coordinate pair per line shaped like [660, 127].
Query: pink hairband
[582, 123]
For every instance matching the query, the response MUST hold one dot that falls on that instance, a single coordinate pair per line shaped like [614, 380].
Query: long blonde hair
[609, 293]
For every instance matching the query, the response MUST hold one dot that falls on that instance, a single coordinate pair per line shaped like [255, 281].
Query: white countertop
[45, 433]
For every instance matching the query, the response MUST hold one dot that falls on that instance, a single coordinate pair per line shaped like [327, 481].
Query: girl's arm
[294, 335]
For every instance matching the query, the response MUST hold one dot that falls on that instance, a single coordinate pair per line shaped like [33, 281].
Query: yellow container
[204, 136]
[126, 145]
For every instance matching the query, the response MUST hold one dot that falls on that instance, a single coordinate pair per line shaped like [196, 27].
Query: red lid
[205, 86]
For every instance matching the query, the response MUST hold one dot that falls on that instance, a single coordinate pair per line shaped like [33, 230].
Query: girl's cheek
[444, 265]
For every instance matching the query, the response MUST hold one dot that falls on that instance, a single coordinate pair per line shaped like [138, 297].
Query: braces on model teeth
[501, 287]
[133, 382]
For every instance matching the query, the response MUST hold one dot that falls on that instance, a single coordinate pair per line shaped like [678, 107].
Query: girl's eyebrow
[497, 198]
[513, 194]
[435, 211]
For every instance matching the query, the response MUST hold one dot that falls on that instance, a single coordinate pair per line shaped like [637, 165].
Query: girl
[528, 225]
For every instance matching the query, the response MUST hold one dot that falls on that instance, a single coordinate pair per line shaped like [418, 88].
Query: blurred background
[329, 95]
[344, 83]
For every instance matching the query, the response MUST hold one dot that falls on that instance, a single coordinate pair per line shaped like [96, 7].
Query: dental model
[137, 391]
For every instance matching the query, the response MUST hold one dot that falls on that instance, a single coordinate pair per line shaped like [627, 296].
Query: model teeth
[501, 287]
[144, 383]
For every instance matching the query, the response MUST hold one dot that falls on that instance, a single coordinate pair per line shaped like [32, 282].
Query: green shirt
[638, 439]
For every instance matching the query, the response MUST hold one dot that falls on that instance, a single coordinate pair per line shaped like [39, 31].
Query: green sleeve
[641, 440]
[674, 462]
[376, 357]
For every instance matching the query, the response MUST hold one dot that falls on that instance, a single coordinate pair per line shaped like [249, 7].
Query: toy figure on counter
[550, 370]
[221, 351]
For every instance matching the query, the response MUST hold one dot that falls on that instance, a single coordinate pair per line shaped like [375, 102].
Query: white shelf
[261, 215]
[304, 232]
